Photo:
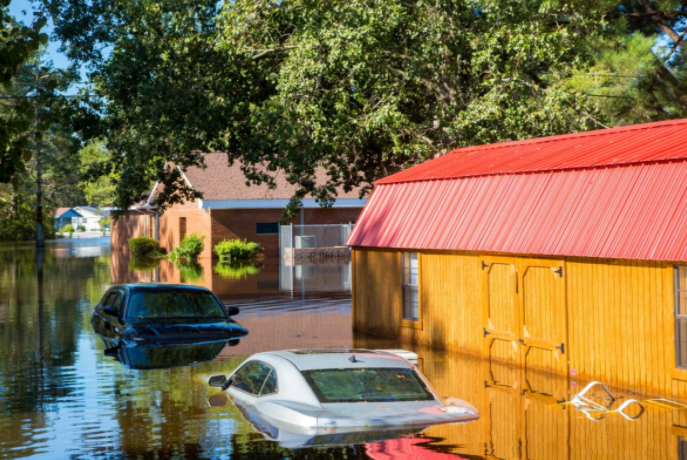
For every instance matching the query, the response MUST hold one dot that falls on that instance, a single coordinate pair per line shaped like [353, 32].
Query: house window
[267, 228]
[411, 291]
[681, 316]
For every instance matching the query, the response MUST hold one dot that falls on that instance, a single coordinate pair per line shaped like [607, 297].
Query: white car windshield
[367, 385]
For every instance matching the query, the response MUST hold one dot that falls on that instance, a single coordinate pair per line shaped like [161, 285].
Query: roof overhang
[309, 203]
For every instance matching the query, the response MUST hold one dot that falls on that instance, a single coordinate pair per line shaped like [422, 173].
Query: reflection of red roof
[617, 193]
[219, 181]
[405, 448]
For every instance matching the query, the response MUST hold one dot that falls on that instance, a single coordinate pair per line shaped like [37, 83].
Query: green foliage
[81, 228]
[143, 262]
[142, 246]
[98, 179]
[189, 249]
[69, 228]
[360, 88]
[18, 44]
[234, 271]
[230, 250]
[105, 222]
[190, 271]
[22, 225]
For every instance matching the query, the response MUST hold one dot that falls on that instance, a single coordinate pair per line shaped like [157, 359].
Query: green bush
[229, 250]
[144, 263]
[142, 246]
[236, 271]
[22, 225]
[69, 228]
[190, 271]
[81, 228]
[190, 248]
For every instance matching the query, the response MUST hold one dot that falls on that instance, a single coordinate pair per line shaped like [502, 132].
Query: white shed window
[681, 316]
[411, 284]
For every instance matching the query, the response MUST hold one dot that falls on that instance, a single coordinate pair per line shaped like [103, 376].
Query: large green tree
[18, 43]
[361, 88]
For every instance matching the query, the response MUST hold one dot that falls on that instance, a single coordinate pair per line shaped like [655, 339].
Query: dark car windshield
[174, 304]
[367, 385]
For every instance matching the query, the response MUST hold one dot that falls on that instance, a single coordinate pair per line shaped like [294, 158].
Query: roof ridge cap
[530, 171]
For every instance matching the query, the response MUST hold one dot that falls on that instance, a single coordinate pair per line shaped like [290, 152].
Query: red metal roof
[629, 204]
[665, 140]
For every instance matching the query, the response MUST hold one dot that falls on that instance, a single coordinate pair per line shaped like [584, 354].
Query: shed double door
[525, 323]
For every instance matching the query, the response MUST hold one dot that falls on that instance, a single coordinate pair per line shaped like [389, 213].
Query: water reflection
[60, 397]
[161, 355]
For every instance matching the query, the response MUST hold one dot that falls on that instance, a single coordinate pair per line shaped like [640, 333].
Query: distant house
[76, 216]
[564, 255]
[229, 209]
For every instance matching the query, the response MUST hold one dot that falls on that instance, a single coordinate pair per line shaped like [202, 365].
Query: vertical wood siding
[615, 318]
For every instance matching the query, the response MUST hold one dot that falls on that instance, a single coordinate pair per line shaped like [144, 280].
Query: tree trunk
[40, 236]
[13, 206]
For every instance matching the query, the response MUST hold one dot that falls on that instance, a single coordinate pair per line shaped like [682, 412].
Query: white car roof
[340, 358]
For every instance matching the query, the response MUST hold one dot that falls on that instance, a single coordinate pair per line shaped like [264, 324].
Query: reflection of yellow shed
[562, 254]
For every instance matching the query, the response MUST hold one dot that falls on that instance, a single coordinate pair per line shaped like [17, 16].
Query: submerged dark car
[132, 313]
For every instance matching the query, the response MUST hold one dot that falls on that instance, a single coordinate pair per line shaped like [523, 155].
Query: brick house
[229, 209]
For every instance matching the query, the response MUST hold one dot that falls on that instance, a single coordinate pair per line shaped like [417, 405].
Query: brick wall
[130, 224]
[242, 223]
[197, 221]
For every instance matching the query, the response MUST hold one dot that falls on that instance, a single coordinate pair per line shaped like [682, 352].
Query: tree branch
[266, 53]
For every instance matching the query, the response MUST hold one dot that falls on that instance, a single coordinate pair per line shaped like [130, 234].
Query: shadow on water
[60, 397]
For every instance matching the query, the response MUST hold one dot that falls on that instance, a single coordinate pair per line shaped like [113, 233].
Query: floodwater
[62, 397]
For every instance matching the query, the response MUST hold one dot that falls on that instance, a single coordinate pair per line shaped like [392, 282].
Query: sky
[17, 9]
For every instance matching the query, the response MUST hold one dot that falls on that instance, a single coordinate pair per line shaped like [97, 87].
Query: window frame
[411, 322]
[678, 317]
[259, 394]
[257, 224]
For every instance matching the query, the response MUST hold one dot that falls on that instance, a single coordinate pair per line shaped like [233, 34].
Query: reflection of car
[163, 355]
[320, 392]
[163, 313]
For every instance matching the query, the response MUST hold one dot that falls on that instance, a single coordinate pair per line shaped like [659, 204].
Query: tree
[49, 170]
[98, 179]
[17, 45]
[360, 88]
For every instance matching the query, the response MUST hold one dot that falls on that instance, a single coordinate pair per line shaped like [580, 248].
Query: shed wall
[618, 315]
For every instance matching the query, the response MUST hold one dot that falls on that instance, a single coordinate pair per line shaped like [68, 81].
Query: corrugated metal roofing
[636, 210]
[666, 140]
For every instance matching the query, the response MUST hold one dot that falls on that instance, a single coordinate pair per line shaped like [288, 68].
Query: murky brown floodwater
[61, 397]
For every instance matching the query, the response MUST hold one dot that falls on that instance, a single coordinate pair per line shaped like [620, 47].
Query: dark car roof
[159, 286]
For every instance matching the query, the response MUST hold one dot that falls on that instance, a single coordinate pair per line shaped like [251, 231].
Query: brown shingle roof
[219, 181]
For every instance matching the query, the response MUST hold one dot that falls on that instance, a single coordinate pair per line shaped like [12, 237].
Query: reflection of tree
[43, 299]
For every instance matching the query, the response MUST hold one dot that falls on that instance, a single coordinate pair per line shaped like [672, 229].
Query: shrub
[69, 228]
[229, 250]
[142, 246]
[236, 271]
[81, 228]
[189, 249]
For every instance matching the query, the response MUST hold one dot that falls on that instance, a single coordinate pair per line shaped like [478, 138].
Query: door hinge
[484, 265]
[486, 384]
[486, 333]
[562, 348]
[559, 272]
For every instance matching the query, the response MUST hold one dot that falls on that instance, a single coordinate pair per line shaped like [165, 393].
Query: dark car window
[251, 377]
[270, 385]
[174, 304]
[367, 385]
[107, 298]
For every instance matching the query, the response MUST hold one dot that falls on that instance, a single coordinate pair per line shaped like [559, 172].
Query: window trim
[677, 316]
[272, 369]
[410, 323]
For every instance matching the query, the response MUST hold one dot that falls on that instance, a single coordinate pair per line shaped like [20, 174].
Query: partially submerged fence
[312, 242]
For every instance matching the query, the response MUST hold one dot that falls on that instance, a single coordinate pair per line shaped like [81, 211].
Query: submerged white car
[320, 391]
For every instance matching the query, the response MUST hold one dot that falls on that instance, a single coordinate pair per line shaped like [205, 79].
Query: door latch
[562, 348]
